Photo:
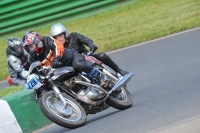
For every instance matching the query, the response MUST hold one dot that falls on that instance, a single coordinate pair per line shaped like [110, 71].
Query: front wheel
[121, 100]
[71, 116]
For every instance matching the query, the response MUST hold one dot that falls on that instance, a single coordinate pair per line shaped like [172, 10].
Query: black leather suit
[77, 41]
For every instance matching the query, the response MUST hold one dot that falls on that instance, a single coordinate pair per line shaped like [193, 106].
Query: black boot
[108, 61]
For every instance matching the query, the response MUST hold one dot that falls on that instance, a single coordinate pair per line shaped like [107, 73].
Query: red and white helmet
[32, 38]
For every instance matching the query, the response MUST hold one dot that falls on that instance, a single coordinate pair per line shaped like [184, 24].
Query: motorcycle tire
[121, 101]
[72, 116]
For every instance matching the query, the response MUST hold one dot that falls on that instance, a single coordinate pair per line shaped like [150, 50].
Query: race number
[33, 82]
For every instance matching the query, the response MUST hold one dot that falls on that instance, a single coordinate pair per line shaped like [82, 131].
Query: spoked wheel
[71, 116]
[122, 100]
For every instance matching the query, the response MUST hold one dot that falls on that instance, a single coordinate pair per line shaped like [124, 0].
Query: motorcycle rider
[77, 42]
[51, 52]
[17, 61]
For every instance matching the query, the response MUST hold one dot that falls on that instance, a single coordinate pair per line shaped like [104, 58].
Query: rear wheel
[72, 116]
[121, 101]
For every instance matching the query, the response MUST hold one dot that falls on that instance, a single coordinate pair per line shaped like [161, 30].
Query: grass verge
[10, 90]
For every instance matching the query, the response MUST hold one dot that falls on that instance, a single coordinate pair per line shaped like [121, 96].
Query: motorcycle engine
[90, 94]
[93, 94]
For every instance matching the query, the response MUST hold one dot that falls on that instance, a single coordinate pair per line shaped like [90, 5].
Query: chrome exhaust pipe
[107, 73]
[123, 81]
[92, 85]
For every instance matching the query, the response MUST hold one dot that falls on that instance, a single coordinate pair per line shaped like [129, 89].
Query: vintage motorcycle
[66, 96]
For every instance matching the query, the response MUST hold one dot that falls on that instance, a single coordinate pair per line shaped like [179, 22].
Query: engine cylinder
[92, 94]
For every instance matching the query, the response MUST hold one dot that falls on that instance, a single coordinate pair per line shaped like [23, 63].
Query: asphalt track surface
[165, 88]
[3, 84]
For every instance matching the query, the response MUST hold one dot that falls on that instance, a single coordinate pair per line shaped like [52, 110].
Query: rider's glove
[46, 67]
[55, 63]
[24, 74]
[93, 48]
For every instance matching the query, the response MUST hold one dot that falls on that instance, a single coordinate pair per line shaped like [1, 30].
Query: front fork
[58, 94]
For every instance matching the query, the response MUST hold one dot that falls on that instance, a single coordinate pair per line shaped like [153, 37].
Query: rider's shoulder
[12, 58]
[74, 34]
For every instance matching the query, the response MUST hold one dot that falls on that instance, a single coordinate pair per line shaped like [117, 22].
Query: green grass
[128, 25]
[9, 90]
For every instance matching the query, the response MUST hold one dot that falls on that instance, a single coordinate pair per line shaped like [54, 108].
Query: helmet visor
[30, 48]
[18, 49]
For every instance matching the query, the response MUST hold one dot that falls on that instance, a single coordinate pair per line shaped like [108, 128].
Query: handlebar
[49, 70]
[88, 53]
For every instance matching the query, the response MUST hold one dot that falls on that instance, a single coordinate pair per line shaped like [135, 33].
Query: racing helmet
[32, 43]
[13, 45]
[57, 29]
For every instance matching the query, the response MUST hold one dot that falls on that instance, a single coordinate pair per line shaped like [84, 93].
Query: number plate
[33, 82]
